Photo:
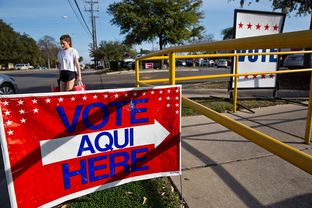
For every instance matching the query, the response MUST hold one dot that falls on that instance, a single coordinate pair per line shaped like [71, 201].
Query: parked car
[229, 62]
[23, 66]
[222, 63]
[192, 62]
[41, 67]
[294, 61]
[7, 85]
[87, 66]
[207, 62]
[180, 62]
[98, 67]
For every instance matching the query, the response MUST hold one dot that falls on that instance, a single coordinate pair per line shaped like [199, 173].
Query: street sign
[250, 24]
[59, 146]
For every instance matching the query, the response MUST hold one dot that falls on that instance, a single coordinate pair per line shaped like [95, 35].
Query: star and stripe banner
[255, 23]
[59, 146]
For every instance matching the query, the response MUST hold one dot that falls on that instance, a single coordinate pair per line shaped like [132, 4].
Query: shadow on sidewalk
[241, 192]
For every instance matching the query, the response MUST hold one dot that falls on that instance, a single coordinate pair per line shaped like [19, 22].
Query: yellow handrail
[300, 39]
[288, 153]
[285, 40]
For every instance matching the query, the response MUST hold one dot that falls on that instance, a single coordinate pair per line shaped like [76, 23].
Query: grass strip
[147, 193]
[222, 105]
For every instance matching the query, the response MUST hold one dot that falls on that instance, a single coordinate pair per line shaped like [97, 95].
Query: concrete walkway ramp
[223, 169]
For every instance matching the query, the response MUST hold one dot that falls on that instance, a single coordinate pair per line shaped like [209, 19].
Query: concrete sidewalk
[223, 169]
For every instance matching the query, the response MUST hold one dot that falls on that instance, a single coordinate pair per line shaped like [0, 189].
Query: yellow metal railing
[301, 39]
[288, 153]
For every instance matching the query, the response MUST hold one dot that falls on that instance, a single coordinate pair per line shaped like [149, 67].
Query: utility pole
[92, 9]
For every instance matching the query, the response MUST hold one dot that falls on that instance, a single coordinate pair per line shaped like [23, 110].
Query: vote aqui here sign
[59, 146]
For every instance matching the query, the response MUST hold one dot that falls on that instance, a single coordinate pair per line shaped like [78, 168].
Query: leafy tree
[208, 38]
[228, 33]
[49, 50]
[80, 59]
[302, 7]
[112, 51]
[197, 33]
[17, 48]
[171, 21]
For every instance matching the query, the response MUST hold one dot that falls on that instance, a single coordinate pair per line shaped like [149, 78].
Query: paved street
[34, 81]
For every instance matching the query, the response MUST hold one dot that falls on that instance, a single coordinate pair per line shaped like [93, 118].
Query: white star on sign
[10, 132]
[177, 105]
[7, 113]
[72, 98]
[20, 102]
[168, 105]
[152, 92]
[95, 97]
[177, 98]
[23, 120]
[177, 112]
[116, 95]
[22, 111]
[105, 96]
[126, 95]
[159, 98]
[5, 103]
[60, 99]
[48, 100]
[169, 91]
[168, 98]
[9, 122]
[160, 91]
[34, 101]
[36, 110]
[84, 98]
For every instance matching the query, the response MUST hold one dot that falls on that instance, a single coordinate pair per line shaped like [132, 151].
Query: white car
[23, 66]
[208, 62]
[222, 63]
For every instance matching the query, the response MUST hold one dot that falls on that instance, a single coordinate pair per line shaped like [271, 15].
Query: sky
[38, 18]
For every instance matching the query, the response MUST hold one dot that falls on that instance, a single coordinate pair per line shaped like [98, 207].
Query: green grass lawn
[147, 193]
[224, 105]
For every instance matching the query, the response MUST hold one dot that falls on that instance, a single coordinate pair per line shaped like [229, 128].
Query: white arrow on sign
[65, 148]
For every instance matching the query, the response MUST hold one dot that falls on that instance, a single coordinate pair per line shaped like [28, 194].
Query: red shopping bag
[79, 86]
[56, 88]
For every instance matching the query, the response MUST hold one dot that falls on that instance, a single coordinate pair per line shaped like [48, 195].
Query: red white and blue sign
[59, 146]
[250, 24]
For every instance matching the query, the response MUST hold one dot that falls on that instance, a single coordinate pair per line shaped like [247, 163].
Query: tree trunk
[49, 65]
[161, 42]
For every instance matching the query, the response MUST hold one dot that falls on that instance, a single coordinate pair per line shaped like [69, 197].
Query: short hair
[66, 38]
